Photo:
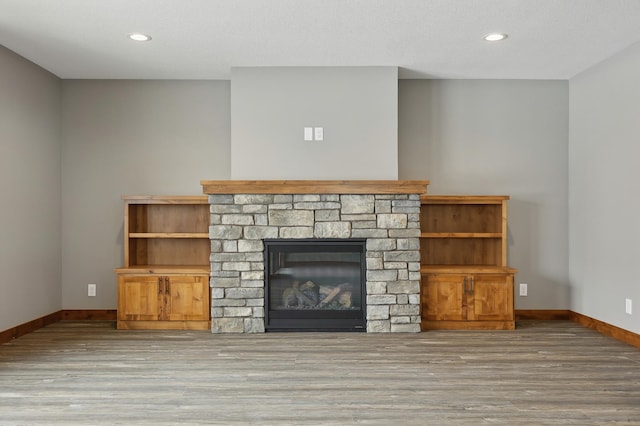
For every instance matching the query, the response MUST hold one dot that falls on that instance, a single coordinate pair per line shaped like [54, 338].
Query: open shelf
[168, 218]
[168, 251]
[164, 230]
[461, 251]
[463, 230]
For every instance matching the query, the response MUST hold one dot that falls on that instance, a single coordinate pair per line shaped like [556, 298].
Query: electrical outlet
[91, 290]
[628, 306]
[523, 289]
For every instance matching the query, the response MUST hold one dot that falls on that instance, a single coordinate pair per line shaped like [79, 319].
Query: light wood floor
[543, 373]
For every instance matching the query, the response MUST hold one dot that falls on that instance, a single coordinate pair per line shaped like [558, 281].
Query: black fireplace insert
[315, 285]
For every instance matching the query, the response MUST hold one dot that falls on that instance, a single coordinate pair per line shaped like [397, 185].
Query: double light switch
[313, 133]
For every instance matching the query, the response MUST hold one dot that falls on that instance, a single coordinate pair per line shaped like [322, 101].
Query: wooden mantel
[314, 186]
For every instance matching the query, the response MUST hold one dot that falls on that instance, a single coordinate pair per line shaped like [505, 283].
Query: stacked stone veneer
[389, 223]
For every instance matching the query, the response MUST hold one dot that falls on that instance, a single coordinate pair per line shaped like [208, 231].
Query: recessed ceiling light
[495, 36]
[139, 37]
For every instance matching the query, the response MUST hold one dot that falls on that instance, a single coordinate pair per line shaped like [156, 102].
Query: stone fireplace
[383, 214]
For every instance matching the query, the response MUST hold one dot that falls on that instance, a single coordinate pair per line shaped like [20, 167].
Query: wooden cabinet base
[467, 300]
[468, 325]
[157, 302]
[164, 325]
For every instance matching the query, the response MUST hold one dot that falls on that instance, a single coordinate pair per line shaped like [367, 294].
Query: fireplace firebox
[315, 285]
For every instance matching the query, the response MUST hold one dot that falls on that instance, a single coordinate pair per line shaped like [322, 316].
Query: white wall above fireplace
[356, 106]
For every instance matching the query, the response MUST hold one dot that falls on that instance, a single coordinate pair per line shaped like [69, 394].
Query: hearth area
[253, 291]
[315, 285]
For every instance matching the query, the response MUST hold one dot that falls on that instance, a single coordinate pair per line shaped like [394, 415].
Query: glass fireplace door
[315, 285]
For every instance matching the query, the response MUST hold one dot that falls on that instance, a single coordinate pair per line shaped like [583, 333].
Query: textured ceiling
[203, 39]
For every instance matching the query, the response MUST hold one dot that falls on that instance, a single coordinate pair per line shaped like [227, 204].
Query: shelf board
[169, 235]
[463, 199]
[465, 269]
[165, 199]
[461, 235]
[314, 186]
[164, 269]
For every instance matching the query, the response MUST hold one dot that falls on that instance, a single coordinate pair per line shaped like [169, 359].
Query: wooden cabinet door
[187, 298]
[491, 298]
[443, 297]
[140, 298]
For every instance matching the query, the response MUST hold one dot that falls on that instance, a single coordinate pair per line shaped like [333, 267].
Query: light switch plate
[308, 133]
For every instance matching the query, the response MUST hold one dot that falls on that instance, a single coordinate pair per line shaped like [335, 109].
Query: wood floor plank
[542, 373]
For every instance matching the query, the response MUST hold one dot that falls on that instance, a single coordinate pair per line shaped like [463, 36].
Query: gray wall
[604, 180]
[30, 188]
[62, 228]
[357, 106]
[130, 138]
[502, 137]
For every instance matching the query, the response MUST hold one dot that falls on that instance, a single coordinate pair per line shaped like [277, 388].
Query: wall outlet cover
[523, 289]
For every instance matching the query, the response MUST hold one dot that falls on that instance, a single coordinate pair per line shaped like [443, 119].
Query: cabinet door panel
[188, 298]
[139, 298]
[443, 297]
[492, 298]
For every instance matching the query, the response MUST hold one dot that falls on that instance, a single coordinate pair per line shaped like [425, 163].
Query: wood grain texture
[164, 325]
[164, 270]
[162, 230]
[542, 314]
[28, 327]
[452, 301]
[427, 325]
[88, 315]
[463, 199]
[467, 269]
[314, 186]
[169, 301]
[165, 199]
[543, 373]
[68, 314]
[463, 230]
[606, 329]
